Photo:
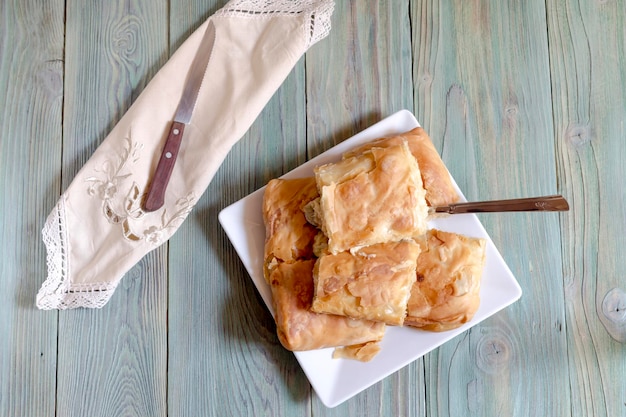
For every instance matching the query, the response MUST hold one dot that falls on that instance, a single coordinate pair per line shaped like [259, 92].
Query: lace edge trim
[319, 13]
[57, 292]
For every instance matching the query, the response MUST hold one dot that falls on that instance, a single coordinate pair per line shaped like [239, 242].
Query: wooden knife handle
[156, 190]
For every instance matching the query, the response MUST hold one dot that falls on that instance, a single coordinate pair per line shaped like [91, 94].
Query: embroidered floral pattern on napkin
[123, 209]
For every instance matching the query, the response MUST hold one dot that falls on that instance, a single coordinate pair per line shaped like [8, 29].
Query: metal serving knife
[156, 190]
[547, 203]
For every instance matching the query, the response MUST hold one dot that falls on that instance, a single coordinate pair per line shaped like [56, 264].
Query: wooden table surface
[522, 98]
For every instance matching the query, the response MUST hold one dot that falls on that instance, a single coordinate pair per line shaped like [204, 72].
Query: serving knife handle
[547, 203]
[156, 191]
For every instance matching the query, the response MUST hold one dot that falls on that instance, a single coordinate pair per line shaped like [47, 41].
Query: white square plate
[336, 380]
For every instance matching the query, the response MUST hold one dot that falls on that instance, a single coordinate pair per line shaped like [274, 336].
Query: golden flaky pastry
[435, 176]
[364, 352]
[446, 292]
[373, 282]
[288, 236]
[376, 196]
[298, 327]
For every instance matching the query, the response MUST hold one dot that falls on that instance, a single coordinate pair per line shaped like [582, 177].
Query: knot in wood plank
[511, 110]
[578, 135]
[125, 40]
[493, 351]
[425, 79]
[614, 314]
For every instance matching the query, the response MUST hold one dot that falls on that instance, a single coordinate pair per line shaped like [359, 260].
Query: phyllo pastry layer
[373, 282]
[288, 236]
[435, 176]
[298, 327]
[373, 197]
[446, 292]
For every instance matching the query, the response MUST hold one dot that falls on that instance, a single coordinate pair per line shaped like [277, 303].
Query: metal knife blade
[547, 203]
[156, 190]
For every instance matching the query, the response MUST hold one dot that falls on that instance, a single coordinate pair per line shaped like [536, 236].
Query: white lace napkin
[98, 230]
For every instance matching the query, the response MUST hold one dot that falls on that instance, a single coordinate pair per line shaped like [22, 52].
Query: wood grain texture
[587, 64]
[31, 82]
[112, 361]
[483, 92]
[361, 75]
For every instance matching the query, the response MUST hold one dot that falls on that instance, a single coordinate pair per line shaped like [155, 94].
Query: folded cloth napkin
[98, 230]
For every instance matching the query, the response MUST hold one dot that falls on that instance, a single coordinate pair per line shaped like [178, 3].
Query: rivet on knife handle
[156, 193]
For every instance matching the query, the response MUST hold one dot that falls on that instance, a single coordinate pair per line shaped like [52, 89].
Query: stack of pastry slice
[350, 251]
[289, 263]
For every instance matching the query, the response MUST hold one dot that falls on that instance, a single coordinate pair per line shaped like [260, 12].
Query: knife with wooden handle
[156, 190]
[547, 203]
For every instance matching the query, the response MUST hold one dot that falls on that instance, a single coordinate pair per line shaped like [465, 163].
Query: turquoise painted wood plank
[112, 361]
[587, 63]
[482, 87]
[31, 82]
[359, 75]
[186, 16]
[224, 356]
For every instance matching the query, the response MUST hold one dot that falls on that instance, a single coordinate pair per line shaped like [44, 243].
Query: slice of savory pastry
[298, 327]
[374, 197]
[288, 236]
[372, 283]
[437, 181]
[446, 292]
